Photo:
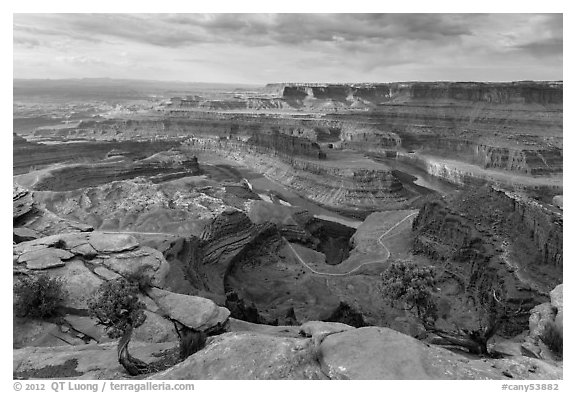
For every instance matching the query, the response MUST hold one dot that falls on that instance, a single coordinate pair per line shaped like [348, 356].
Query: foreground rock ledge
[330, 353]
[365, 353]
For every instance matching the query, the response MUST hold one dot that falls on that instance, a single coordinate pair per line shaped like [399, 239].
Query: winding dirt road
[363, 264]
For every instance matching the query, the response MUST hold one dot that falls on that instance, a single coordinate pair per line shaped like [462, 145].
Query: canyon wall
[502, 214]
[489, 241]
[460, 173]
[513, 127]
[328, 184]
[497, 93]
[288, 145]
[171, 124]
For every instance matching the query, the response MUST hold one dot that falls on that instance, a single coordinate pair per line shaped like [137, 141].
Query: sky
[264, 48]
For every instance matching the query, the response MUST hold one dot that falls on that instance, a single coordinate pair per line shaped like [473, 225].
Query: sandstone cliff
[485, 240]
[329, 184]
[376, 93]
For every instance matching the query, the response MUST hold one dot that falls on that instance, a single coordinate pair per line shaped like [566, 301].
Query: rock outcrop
[224, 241]
[354, 188]
[549, 315]
[158, 168]
[140, 205]
[194, 312]
[92, 361]
[322, 351]
[366, 353]
[84, 260]
[23, 204]
[35, 155]
[287, 145]
[484, 243]
[543, 93]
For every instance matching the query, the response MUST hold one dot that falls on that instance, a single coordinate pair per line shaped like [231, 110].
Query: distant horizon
[256, 49]
[285, 82]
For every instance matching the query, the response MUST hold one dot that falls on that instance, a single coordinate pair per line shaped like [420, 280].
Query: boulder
[112, 242]
[79, 282]
[106, 273]
[556, 297]
[22, 202]
[60, 241]
[91, 361]
[155, 329]
[381, 353]
[149, 303]
[531, 349]
[20, 235]
[45, 258]
[557, 301]
[194, 312]
[558, 200]
[248, 356]
[85, 250]
[540, 316]
[364, 353]
[88, 327]
[38, 333]
[319, 329]
[145, 260]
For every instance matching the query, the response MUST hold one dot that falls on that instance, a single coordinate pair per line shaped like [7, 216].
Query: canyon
[264, 219]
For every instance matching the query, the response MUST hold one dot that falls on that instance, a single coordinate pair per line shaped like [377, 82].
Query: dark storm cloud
[254, 29]
[297, 46]
[306, 28]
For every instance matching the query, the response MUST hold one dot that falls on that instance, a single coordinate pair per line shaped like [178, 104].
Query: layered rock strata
[332, 185]
[497, 93]
[485, 241]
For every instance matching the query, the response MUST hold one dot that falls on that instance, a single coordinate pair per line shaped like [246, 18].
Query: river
[276, 191]
[411, 176]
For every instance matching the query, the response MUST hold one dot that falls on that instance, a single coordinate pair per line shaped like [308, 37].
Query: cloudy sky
[261, 48]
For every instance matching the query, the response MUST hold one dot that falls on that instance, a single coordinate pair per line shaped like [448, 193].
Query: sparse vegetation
[60, 244]
[140, 279]
[411, 286]
[117, 307]
[38, 296]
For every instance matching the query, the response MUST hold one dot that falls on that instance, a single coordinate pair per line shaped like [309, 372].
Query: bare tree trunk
[133, 365]
[476, 345]
[191, 341]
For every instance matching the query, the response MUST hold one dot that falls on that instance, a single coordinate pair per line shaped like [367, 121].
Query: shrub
[116, 306]
[38, 296]
[60, 244]
[140, 279]
[412, 285]
[552, 337]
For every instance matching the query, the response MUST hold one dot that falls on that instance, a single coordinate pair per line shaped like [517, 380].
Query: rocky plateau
[262, 222]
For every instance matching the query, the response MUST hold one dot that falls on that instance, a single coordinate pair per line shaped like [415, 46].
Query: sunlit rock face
[378, 93]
